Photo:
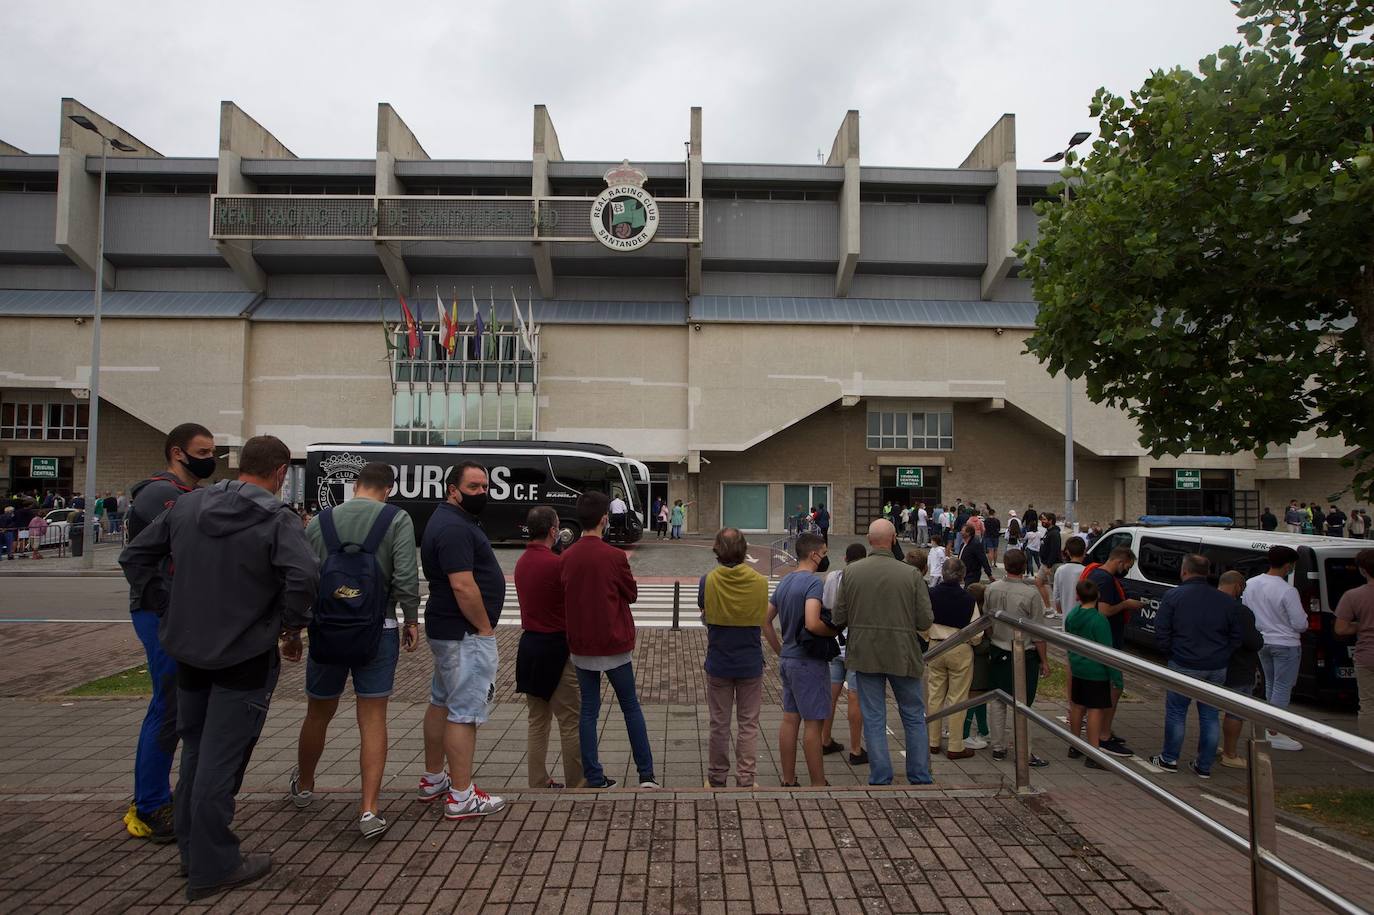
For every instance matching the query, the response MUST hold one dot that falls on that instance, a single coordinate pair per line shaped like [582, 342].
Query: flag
[386, 331]
[412, 333]
[451, 343]
[446, 340]
[475, 342]
[524, 328]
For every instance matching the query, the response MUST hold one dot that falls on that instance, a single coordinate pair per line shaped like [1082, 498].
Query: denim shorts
[373, 680]
[805, 688]
[464, 677]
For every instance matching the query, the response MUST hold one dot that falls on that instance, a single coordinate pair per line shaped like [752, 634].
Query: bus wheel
[568, 534]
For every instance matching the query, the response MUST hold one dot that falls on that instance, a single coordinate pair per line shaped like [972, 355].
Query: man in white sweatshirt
[1280, 618]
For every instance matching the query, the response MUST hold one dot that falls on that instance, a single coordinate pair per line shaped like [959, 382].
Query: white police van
[1325, 570]
[522, 474]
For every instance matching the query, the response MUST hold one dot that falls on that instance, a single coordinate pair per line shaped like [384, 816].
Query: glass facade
[484, 389]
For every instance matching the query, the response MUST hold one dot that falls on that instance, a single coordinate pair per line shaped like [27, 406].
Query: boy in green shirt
[1091, 689]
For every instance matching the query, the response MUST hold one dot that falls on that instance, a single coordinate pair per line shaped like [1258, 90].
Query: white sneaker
[477, 804]
[650, 783]
[431, 791]
[371, 825]
[301, 798]
[1282, 742]
[975, 742]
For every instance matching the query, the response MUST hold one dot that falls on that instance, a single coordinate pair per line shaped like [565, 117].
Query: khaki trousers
[723, 695]
[948, 679]
[1364, 677]
[566, 705]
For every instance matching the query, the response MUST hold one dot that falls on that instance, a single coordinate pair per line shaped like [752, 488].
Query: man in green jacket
[884, 603]
[373, 681]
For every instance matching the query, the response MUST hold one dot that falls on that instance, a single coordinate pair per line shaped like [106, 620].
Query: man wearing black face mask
[190, 453]
[466, 591]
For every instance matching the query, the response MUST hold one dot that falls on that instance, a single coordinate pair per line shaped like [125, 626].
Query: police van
[521, 475]
[1325, 570]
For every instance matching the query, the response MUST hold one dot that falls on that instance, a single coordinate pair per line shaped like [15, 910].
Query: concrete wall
[785, 373]
[624, 387]
[311, 383]
[162, 371]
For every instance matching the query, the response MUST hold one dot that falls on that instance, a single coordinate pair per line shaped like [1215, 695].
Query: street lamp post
[1070, 481]
[93, 401]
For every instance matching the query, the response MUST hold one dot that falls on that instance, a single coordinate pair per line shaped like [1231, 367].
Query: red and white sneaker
[477, 804]
[432, 791]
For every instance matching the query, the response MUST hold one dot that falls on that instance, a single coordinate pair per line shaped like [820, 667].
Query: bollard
[677, 601]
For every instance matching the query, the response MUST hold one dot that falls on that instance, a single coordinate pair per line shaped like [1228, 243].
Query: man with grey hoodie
[241, 574]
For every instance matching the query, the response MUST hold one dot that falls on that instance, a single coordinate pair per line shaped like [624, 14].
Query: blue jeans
[1280, 664]
[911, 706]
[623, 682]
[7, 537]
[1176, 719]
[677, 532]
[157, 739]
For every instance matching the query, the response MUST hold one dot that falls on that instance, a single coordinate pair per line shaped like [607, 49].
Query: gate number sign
[910, 477]
[43, 468]
[1187, 479]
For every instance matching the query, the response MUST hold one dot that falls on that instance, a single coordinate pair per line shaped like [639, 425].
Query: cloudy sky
[774, 78]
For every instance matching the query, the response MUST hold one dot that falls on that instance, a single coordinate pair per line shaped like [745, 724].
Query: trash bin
[78, 538]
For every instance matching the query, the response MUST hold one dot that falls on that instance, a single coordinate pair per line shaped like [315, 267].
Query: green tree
[1212, 272]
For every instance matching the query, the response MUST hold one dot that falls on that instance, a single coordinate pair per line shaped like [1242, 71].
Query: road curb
[1328, 834]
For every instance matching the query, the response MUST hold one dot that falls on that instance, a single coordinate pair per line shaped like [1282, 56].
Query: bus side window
[1161, 559]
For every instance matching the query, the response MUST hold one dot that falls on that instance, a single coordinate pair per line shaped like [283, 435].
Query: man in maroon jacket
[543, 670]
[598, 588]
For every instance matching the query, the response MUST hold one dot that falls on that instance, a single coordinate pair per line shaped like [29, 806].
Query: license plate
[1345, 673]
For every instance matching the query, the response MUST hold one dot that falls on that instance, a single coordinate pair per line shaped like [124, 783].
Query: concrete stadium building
[784, 335]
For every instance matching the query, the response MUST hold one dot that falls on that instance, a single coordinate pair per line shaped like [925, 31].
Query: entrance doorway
[800, 498]
[23, 479]
[1215, 497]
[911, 496]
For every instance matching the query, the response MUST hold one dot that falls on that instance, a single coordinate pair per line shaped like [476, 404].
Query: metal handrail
[1261, 845]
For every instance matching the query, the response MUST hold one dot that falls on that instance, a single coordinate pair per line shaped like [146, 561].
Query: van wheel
[568, 534]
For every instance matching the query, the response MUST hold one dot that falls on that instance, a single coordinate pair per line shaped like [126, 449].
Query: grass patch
[1350, 809]
[1056, 685]
[132, 682]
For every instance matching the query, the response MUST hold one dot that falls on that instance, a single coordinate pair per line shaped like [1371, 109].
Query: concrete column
[546, 150]
[9, 149]
[997, 150]
[694, 190]
[394, 141]
[845, 151]
[1134, 493]
[78, 191]
[241, 137]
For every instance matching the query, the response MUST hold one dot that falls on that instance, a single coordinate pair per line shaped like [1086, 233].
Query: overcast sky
[774, 78]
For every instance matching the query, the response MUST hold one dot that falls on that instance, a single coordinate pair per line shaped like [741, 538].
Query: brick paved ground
[67, 766]
[859, 851]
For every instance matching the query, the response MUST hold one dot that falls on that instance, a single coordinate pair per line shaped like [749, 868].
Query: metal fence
[1261, 844]
[57, 538]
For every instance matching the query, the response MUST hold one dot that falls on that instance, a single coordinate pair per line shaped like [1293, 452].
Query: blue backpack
[353, 599]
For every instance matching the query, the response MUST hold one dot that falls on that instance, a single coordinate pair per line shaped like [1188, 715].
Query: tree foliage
[1213, 270]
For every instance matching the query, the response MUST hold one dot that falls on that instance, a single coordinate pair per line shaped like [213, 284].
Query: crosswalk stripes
[653, 610]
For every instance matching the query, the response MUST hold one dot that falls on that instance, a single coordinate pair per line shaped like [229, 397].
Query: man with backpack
[244, 577]
[367, 553]
[189, 450]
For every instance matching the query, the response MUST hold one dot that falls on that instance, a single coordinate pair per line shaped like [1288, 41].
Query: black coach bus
[521, 475]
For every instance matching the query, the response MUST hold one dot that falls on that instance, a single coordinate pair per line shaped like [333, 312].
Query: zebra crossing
[653, 610]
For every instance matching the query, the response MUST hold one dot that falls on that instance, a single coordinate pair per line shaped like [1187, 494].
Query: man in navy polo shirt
[466, 591]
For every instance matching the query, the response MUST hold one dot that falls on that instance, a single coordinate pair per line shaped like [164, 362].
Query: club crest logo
[624, 217]
[338, 473]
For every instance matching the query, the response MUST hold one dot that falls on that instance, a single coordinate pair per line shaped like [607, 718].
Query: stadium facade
[762, 336]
